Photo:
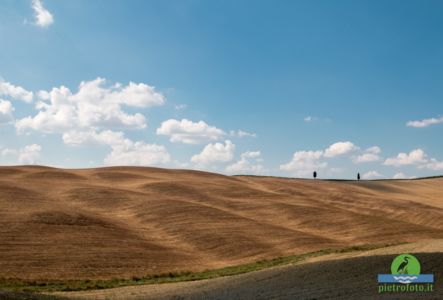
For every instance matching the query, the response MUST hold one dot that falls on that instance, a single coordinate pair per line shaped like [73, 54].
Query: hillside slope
[127, 221]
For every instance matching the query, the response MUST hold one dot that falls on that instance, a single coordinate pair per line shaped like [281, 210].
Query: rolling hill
[120, 222]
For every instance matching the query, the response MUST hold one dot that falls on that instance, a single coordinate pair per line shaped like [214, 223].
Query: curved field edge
[40, 286]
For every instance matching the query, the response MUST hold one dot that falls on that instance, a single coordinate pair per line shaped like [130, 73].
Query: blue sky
[237, 87]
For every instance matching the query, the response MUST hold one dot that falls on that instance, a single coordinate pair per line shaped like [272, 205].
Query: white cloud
[135, 94]
[107, 137]
[399, 175]
[6, 110]
[29, 154]
[188, 132]
[369, 155]
[241, 133]
[366, 157]
[425, 122]
[137, 154]
[251, 154]
[340, 148]
[434, 165]
[371, 175]
[15, 92]
[8, 152]
[312, 119]
[250, 163]
[303, 163]
[123, 150]
[373, 150]
[43, 17]
[93, 106]
[213, 153]
[415, 157]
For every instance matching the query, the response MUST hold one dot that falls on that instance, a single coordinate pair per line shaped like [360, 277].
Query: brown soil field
[121, 222]
[351, 275]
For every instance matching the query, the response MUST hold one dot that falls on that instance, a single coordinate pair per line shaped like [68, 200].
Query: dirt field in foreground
[353, 278]
[335, 276]
[122, 222]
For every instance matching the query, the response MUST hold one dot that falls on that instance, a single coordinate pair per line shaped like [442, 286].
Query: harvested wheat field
[122, 222]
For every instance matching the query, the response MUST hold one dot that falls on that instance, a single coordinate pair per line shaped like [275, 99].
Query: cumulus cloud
[250, 163]
[215, 153]
[366, 157]
[137, 154]
[251, 154]
[415, 157]
[6, 110]
[87, 116]
[303, 163]
[369, 155]
[124, 151]
[43, 17]
[189, 132]
[340, 148]
[29, 154]
[433, 164]
[107, 137]
[8, 152]
[425, 122]
[95, 105]
[371, 175]
[15, 92]
[134, 94]
[373, 150]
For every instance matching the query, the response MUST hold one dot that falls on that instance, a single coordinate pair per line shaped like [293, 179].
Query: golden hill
[126, 221]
